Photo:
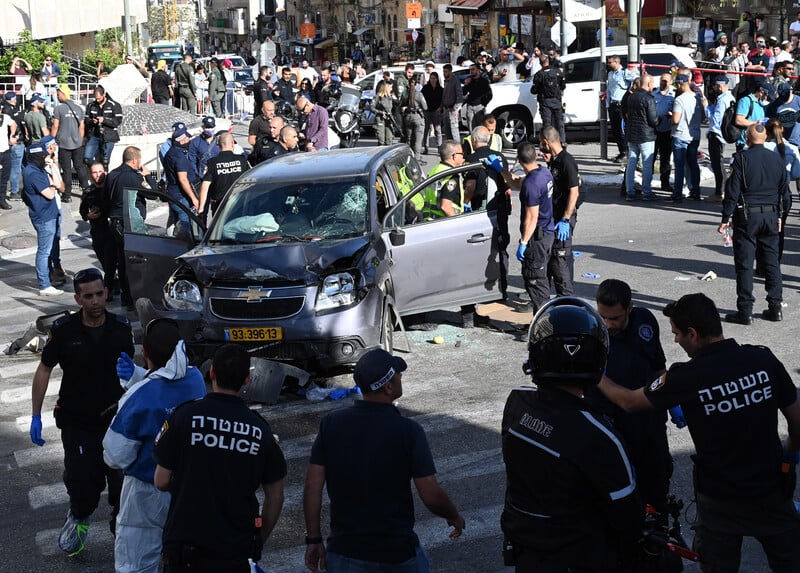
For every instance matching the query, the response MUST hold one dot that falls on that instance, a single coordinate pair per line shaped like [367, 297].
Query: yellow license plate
[255, 334]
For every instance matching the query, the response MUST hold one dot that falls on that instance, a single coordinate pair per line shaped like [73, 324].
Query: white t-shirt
[309, 74]
[794, 27]
[5, 121]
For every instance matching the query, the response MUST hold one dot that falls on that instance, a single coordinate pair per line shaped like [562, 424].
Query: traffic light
[265, 26]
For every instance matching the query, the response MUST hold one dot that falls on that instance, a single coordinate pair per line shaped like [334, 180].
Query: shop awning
[325, 44]
[361, 31]
[467, 7]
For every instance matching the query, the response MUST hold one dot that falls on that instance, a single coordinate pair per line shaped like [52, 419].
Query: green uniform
[452, 186]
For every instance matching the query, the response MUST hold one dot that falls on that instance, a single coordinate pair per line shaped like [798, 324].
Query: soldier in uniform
[413, 107]
[548, 85]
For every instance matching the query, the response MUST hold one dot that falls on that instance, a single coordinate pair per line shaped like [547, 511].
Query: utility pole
[603, 83]
[562, 30]
[126, 7]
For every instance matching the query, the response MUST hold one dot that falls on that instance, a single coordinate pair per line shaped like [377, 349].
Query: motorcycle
[347, 115]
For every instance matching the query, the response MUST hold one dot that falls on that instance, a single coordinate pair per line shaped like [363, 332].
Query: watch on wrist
[565, 220]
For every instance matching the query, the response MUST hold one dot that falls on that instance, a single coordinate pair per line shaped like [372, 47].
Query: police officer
[212, 455]
[178, 170]
[446, 197]
[548, 85]
[86, 345]
[756, 198]
[617, 83]
[536, 226]
[267, 146]
[103, 118]
[132, 174]
[184, 81]
[413, 107]
[94, 209]
[730, 394]
[203, 148]
[635, 358]
[566, 197]
[222, 172]
[571, 497]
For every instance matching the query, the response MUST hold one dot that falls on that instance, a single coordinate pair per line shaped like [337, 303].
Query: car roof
[418, 68]
[334, 163]
[680, 52]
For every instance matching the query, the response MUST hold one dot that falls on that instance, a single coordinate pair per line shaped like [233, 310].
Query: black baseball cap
[377, 368]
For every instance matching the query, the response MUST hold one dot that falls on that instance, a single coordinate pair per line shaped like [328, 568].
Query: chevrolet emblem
[254, 294]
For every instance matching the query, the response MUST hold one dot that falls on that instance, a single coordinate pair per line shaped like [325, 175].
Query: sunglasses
[91, 273]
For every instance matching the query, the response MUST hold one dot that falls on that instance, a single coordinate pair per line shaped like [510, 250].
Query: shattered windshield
[295, 211]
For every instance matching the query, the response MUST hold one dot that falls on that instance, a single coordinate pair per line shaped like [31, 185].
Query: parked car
[516, 108]
[311, 257]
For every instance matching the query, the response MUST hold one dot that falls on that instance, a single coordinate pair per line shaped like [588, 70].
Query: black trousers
[561, 266]
[553, 116]
[664, 154]
[117, 245]
[85, 472]
[500, 236]
[189, 559]
[101, 243]
[5, 172]
[615, 117]
[534, 270]
[67, 160]
[759, 234]
[716, 146]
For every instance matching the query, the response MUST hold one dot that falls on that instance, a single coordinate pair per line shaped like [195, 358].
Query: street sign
[571, 33]
[582, 10]
[307, 31]
[413, 10]
[414, 23]
[414, 35]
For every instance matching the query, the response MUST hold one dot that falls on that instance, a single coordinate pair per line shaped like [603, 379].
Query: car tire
[513, 128]
[388, 324]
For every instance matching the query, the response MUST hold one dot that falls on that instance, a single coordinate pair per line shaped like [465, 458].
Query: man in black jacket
[262, 90]
[548, 85]
[103, 117]
[477, 93]
[641, 120]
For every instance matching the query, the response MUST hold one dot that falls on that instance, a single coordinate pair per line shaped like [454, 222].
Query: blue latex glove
[562, 230]
[494, 162]
[521, 252]
[125, 367]
[36, 429]
[339, 393]
[676, 413]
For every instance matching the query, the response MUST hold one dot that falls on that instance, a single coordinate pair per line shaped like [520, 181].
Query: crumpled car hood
[259, 263]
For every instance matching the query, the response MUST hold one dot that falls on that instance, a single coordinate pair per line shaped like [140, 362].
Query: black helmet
[567, 344]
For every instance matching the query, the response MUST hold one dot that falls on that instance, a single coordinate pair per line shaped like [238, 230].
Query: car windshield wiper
[284, 238]
[225, 241]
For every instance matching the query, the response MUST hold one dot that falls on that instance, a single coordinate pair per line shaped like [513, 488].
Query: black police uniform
[284, 90]
[635, 358]
[548, 85]
[120, 180]
[220, 452]
[96, 198]
[500, 201]
[730, 395]
[264, 149]
[87, 401]
[756, 197]
[561, 267]
[571, 498]
[261, 93]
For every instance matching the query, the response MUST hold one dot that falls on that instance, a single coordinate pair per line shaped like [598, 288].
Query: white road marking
[23, 394]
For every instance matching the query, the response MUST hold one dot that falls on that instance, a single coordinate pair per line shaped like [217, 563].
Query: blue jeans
[178, 214]
[340, 564]
[684, 154]
[94, 145]
[17, 151]
[48, 251]
[643, 151]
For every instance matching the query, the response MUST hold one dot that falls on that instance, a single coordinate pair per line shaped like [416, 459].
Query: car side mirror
[397, 237]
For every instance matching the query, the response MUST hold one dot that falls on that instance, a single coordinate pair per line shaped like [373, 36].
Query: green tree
[109, 48]
[34, 52]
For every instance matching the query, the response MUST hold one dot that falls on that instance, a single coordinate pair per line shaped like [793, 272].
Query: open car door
[444, 262]
[150, 252]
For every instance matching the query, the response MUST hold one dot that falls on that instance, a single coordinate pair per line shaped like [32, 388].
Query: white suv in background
[516, 108]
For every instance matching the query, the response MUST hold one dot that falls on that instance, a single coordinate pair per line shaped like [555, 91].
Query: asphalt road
[456, 390]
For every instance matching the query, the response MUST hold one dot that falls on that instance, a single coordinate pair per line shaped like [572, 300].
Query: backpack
[730, 131]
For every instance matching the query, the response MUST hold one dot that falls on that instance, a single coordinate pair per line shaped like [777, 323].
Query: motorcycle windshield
[349, 101]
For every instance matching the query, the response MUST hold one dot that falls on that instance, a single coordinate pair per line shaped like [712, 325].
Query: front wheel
[349, 139]
[387, 325]
[514, 128]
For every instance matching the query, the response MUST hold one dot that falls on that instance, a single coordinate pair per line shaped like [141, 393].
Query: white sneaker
[51, 291]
